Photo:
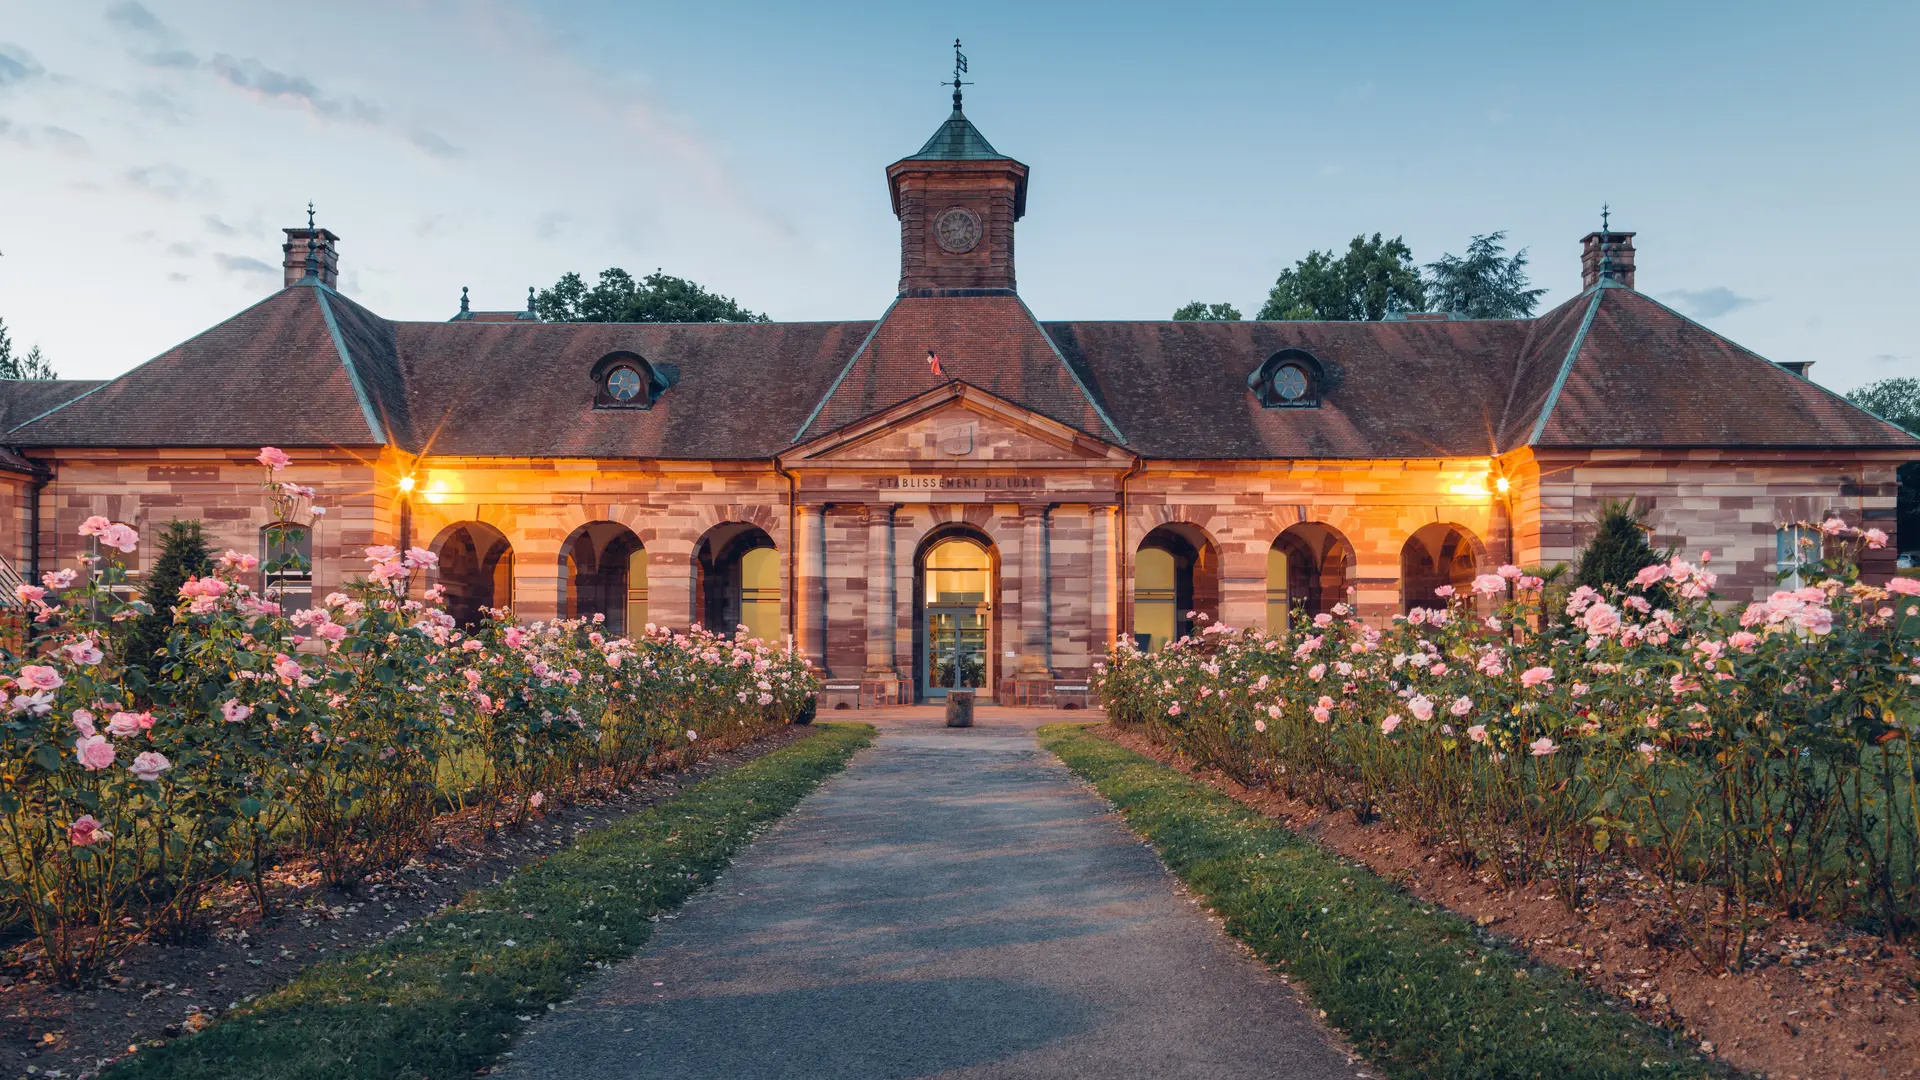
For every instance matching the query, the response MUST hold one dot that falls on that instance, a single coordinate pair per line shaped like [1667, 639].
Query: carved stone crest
[957, 440]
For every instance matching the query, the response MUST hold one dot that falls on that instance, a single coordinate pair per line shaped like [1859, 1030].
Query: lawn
[1418, 991]
[445, 998]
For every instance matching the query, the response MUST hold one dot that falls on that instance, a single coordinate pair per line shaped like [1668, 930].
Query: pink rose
[1534, 676]
[94, 751]
[273, 458]
[1461, 706]
[123, 724]
[1260, 725]
[1601, 620]
[380, 553]
[1543, 746]
[150, 765]
[1875, 538]
[29, 594]
[538, 800]
[238, 560]
[1510, 572]
[84, 653]
[94, 526]
[1650, 574]
[39, 677]
[1478, 733]
[83, 721]
[1833, 526]
[1905, 586]
[58, 579]
[1421, 708]
[120, 536]
[85, 830]
[1488, 584]
[1443, 591]
[1392, 721]
[234, 711]
[419, 556]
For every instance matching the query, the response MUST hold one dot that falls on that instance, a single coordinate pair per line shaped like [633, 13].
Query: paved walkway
[953, 905]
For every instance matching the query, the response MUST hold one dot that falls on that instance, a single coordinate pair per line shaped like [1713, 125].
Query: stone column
[1104, 595]
[880, 591]
[809, 584]
[1035, 643]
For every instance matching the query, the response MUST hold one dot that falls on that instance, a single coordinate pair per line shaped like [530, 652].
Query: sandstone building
[996, 519]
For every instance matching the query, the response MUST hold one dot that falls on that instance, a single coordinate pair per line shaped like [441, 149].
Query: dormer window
[1290, 379]
[624, 380]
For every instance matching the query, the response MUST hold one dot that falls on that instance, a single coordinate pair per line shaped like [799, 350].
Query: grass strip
[1418, 990]
[444, 999]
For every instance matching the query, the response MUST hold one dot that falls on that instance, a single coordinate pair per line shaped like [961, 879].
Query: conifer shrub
[184, 554]
[1619, 549]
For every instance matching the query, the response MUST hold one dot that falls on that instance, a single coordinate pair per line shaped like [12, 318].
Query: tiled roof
[523, 389]
[275, 373]
[991, 342]
[23, 399]
[1642, 374]
[1392, 389]
[308, 367]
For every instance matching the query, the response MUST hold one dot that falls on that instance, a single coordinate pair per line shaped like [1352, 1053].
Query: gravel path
[954, 905]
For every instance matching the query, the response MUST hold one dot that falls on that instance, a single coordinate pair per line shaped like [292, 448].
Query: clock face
[957, 230]
[624, 384]
[1290, 383]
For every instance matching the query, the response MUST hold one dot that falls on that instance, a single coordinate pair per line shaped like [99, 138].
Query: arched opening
[475, 569]
[1175, 571]
[956, 585]
[739, 581]
[1435, 555]
[1307, 569]
[607, 575]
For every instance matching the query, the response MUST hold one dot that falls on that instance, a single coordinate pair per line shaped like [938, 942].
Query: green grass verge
[1418, 991]
[444, 1000]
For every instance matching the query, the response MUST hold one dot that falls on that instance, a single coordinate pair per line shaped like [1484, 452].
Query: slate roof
[308, 367]
[957, 140]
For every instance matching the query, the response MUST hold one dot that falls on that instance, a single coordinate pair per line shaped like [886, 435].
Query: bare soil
[1820, 1000]
[158, 992]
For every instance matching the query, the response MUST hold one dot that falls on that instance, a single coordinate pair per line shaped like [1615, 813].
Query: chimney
[326, 260]
[1616, 247]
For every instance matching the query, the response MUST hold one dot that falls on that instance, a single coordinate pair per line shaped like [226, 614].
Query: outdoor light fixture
[406, 482]
[1500, 485]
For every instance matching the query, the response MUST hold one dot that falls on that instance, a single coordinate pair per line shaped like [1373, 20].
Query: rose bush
[1747, 759]
[318, 733]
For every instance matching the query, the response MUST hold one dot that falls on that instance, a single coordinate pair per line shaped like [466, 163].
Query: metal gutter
[346, 359]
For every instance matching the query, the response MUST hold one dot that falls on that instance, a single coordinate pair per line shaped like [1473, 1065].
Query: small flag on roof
[933, 363]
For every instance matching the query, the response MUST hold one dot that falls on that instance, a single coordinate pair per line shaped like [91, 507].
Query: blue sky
[151, 151]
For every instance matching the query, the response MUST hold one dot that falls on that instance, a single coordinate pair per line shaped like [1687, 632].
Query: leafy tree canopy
[1484, 283]
[1374, 277]
[617, 297]
[30, 366]
[1896, 401]
[1199, 311]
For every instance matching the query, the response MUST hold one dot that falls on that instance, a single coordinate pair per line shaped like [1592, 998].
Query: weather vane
[1603, 218]
[959, 69]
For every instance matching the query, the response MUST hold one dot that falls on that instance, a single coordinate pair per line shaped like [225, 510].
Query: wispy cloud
[1708, 303]
[44, 137]
[170, 182]
[17, 65]
[217, 226]
[136, 18]
[245, 264]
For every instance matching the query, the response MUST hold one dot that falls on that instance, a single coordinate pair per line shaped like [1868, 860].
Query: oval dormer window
[1290, 379]
[624, 384]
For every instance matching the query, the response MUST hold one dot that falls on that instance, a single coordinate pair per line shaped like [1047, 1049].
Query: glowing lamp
[406, 483]
[1500, 485]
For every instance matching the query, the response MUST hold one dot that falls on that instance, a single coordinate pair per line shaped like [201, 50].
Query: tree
[1483, 284]
[1199, 311]
[183, 554]
[1897, 401]
[1619, 548]
[617, 297]
[31, 366]
[1374, 277]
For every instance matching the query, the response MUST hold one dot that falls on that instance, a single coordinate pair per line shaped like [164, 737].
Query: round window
[1290, 383]
[624, 384]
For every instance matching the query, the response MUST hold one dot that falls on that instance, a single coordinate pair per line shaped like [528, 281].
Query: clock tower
[957, 200]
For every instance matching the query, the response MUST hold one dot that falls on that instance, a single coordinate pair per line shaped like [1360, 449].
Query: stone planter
[960, 708]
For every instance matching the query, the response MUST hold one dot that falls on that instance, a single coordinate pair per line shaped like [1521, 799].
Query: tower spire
[313, 257]
[959, 69]
[1606, 244]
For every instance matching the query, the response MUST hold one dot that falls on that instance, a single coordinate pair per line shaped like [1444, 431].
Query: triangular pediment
[958, 425]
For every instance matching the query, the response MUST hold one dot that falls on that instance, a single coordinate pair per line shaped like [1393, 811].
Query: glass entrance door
[956, 650]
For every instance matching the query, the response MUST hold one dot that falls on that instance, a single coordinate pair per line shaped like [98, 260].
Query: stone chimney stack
[1607, 246]
[326, 259]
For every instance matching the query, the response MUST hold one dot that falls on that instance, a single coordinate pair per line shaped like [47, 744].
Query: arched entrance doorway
[739, 581]
[607, 575]
[1175, 571]
[956, 582]
[1307, 569]
[1435, 555]
[475, 568]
